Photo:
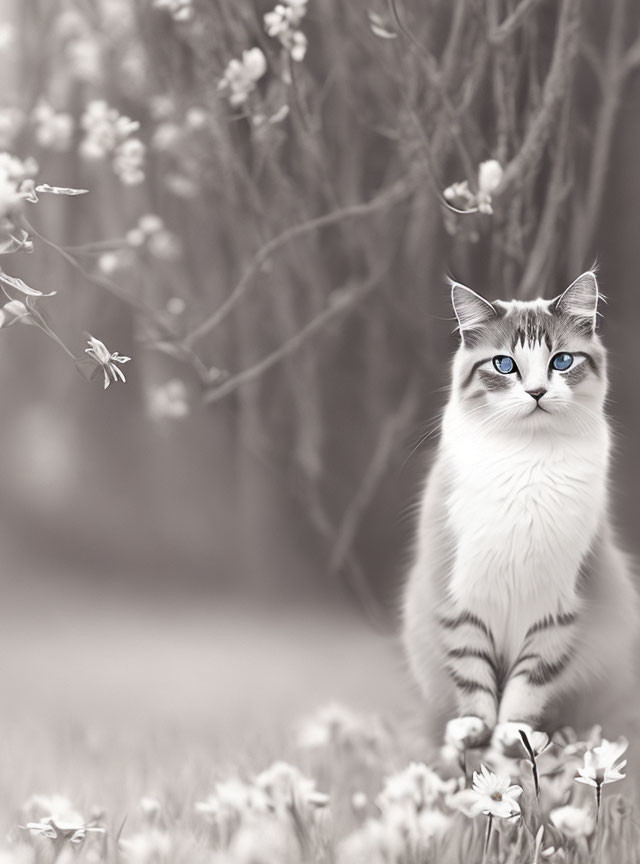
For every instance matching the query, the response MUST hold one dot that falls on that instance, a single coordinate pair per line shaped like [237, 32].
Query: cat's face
[535, 365]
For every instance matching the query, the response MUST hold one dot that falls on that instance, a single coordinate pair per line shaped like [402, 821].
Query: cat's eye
[504, 364]
[562, 361]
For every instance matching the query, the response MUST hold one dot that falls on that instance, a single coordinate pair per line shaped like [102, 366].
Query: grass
[158, 724]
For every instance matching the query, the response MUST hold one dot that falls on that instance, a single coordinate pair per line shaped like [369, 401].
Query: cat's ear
[472, 310]
[580, 300]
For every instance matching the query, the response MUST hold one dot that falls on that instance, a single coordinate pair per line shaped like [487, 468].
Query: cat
[519, 609]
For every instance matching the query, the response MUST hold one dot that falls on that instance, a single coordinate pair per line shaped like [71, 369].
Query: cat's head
[537, 364]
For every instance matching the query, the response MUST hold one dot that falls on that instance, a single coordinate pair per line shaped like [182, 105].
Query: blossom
[169, 401]
[53, 130]
[180, 10]
[489, 178]
[240, 76]
[106, 360]
[574, 822]
[602, 765]
[282, 23]
[284, 786]
[417, 787]
[495, 794]
[74, 831]
[107, 133]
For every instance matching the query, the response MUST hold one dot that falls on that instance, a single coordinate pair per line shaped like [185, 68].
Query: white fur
[514, 504]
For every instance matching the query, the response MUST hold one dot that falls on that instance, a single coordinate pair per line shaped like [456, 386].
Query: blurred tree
[316, 199]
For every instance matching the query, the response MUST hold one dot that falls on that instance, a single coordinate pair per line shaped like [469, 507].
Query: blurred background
[274, 203]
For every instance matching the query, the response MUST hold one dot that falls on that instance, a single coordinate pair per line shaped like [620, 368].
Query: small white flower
[602, 764]
[169, 401]
[240, 76]
[176, 305]
[196, 118]
[489, 176]
[106, 360]
[417, 787]
[149, 223]
[53, 130]
[284, 785]
[135, 237]
[574, 822]
[495, 794]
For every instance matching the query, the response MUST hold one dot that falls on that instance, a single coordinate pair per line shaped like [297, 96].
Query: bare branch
[390, 196]
[508, 27]
[555, 88]
[346, 301]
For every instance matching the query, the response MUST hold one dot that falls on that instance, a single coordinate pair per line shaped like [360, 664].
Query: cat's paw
[465, 732]
[507, 739]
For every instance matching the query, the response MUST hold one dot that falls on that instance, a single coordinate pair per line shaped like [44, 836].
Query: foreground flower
[106, 360]
[73, 832]
[602, 764]
[285, 786]
[495, 794]
[417, 787]
[574, 822]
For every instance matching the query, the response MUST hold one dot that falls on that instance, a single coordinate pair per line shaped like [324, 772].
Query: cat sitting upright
[519, 607]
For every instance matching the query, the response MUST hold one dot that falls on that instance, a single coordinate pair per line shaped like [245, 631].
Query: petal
[588, 780]
[21, 286]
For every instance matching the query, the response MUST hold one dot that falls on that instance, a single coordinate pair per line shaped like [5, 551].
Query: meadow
[163, 733]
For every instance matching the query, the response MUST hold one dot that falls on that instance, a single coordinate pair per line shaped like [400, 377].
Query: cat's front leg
[470, 662]
[541, 670]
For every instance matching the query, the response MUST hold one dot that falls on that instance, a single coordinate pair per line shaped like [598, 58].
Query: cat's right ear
[472, 310]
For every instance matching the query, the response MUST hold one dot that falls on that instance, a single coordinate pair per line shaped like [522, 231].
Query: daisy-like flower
[106, 360]
[495, 794]
[602, 765]
[73, 832]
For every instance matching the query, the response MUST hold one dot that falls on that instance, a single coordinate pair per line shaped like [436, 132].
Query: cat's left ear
[580, 300]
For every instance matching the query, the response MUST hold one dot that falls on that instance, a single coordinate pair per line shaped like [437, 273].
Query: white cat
[519, 607]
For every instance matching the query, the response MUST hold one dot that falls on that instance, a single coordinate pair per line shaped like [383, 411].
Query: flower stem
[487, 838]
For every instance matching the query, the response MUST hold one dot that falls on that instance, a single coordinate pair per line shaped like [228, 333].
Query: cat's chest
[523, 519]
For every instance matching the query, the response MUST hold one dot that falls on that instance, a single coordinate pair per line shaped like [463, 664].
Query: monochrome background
[220, 542]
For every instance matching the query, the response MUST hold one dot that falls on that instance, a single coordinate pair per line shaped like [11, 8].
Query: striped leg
[541, 669]
[470, 660]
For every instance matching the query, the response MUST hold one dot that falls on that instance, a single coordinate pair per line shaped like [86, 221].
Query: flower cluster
[168, 401]
[107, 133]
[241, 76]
[16, 183]
[151, 233]
[283, 23]
[489, 178]
[180, 10]
[53, 129]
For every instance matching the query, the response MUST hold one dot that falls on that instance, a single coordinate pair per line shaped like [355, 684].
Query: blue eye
[504, 364]
[562, 361]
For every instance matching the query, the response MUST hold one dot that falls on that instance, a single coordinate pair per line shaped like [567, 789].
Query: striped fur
[518, 596]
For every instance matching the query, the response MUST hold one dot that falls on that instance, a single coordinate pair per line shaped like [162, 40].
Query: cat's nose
[537, 394]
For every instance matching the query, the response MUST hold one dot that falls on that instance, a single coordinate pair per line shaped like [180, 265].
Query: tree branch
[390, 196]
[344, 303]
